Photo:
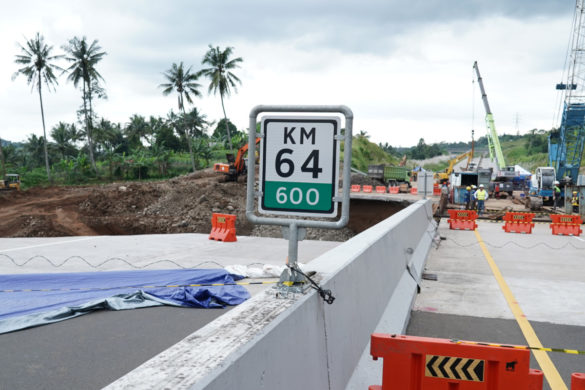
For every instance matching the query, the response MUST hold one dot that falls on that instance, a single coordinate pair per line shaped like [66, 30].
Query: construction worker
[481, 196]
[575, 202]
[473, 200]
[467, 198]
[556, 195]
[444, 199]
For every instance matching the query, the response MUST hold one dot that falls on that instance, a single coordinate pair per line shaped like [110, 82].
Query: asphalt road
[91, 351]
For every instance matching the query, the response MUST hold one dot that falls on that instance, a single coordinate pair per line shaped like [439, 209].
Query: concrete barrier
[300, 341]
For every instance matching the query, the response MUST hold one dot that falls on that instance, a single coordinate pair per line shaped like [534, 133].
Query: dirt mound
[179, 205]
[365, 180]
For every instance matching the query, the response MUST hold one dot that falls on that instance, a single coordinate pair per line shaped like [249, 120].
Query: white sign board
[299, 165]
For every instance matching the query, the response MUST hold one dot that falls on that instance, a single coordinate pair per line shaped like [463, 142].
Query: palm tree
[219, 72]
[184, 83]
[33, 147]
[83, 59]
[135, 130]
[64, 136]
[38, 69]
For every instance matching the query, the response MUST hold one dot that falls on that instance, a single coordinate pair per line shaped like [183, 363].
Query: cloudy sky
[403, 67]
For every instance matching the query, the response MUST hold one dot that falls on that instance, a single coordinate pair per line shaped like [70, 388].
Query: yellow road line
[548, 368]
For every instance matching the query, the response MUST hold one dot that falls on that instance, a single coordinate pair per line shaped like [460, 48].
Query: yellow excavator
[10, 182]
[444, 176]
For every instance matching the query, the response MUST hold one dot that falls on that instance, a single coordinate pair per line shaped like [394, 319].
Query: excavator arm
[235, 167]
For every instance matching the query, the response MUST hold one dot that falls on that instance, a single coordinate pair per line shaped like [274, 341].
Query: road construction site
[485, 285]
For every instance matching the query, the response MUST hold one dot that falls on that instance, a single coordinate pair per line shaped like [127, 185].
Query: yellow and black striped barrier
[560, 350]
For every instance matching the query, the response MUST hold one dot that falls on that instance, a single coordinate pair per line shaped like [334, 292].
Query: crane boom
[493, 140]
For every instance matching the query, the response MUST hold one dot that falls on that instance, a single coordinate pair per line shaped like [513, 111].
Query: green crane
[492, 136]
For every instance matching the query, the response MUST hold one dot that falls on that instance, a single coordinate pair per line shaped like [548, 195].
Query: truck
[389, 175]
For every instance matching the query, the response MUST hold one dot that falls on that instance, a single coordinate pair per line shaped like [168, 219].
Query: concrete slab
[91, 351]
[545, 273]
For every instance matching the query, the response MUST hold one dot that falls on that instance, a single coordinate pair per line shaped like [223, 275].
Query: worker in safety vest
[473, 205]
[467, 198]
[575, 202]
[481, 195]
[556, 195]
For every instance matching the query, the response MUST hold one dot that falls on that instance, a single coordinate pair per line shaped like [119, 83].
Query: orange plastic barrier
[568, 225]
[439, 364]
[578, 381]
[380, 189]
[518, 222]
[223, 227]
[356, 188]
[393, 190]
[462, 219]
[368, 188]
[413, 191]
[436, 190]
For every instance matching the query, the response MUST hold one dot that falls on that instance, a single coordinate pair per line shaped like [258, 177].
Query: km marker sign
[299, 169]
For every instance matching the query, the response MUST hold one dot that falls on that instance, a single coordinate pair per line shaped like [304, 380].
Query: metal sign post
[299, 173]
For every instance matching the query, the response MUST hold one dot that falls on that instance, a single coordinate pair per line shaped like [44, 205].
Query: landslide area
[178, 205]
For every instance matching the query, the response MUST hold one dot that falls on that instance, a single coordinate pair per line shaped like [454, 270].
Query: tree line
[81, 147]
[534, 141]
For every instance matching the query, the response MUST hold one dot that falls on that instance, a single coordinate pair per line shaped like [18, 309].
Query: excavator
[10, 182]
[235, 166]
[444, 176]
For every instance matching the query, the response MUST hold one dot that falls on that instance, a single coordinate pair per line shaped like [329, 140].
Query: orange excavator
[235, 166]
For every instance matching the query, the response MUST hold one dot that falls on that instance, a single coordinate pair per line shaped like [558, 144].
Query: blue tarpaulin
[28, 300]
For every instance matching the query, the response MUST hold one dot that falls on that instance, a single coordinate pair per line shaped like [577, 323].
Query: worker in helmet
[473, 205]
[467, 198]
[556, 195]
[481, 196]
[575, 202]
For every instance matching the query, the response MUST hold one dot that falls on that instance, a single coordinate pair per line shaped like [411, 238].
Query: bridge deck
[546, 279]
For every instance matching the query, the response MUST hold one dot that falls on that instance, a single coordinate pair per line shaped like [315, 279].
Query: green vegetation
[221, 77]
[366, 153]
[95, 149]
[38, 69]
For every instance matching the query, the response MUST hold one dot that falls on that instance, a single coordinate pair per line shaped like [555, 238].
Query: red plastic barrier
[413, 191]
[439, 364]
[569, 225]
[368, 188]
[518, 222]
[393, 190]
[355, 188]
[437, 191]
[462, 219]
[380, 189]
[578, 381]
[223, 227]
